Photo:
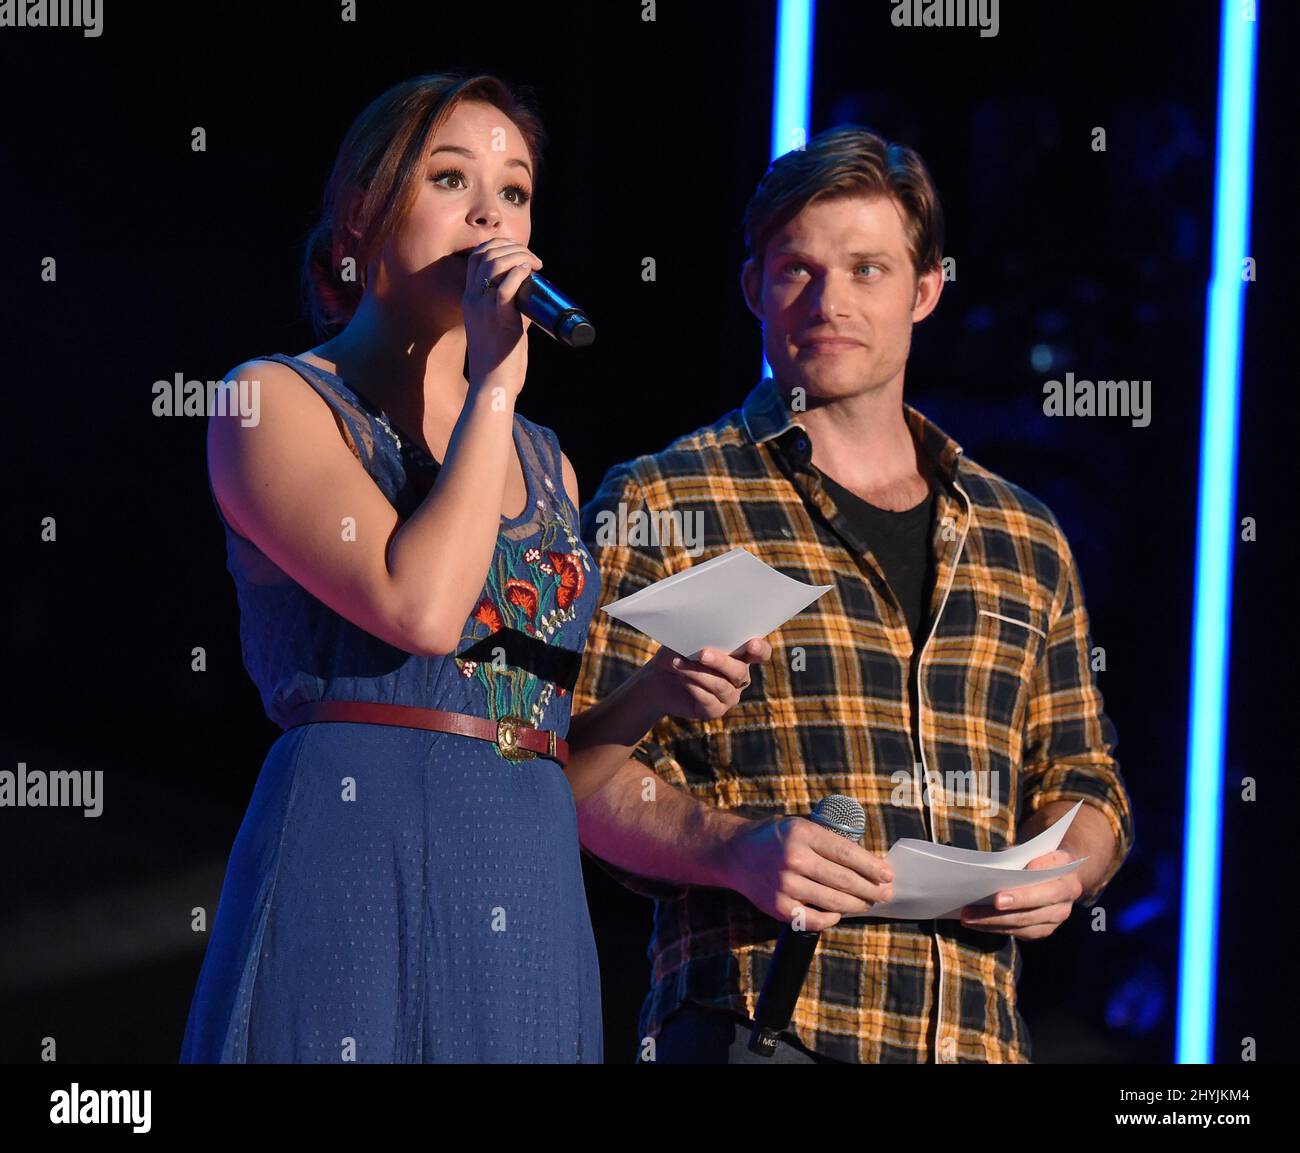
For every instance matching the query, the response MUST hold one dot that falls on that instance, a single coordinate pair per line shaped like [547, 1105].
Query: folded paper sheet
[719, 604]
[936, 881]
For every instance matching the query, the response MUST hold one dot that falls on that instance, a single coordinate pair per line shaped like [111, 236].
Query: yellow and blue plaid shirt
[1008, 715]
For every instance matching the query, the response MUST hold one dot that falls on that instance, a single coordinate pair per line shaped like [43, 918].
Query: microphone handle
[786, 976]
[553, 312]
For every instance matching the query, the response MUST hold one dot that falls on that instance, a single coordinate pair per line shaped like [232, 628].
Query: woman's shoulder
[553, 456]
[543, 438]
[281, 367]
[537, 431]
[302, 393]
[284, 375]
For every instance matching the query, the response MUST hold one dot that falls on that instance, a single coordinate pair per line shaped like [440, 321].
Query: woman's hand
[703, 689]
[495, 329]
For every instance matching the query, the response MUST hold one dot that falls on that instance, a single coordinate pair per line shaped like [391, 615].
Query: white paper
[937, 881]
[719, 604]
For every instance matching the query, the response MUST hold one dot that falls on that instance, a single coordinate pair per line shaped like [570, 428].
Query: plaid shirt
[1007, 703]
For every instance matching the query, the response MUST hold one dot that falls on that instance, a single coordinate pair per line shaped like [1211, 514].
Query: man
[944, 681]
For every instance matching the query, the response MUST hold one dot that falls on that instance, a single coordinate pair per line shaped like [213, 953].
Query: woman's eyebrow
[513, 161]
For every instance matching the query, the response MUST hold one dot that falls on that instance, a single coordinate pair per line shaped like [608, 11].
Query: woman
[406, 884]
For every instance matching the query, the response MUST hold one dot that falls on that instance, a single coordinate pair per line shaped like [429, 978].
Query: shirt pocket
[1010, 633]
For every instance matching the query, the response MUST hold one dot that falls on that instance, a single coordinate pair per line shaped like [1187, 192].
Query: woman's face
[478, 185]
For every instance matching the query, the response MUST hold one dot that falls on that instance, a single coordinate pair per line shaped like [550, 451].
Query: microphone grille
[842, 815]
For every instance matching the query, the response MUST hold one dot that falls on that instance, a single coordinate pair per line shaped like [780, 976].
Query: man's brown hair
[848, 160]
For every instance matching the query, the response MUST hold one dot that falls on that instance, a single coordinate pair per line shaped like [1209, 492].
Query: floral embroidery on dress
[533, 586]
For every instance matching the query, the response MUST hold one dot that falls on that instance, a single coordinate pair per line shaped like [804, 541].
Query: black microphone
[795, 947]
[554, 313]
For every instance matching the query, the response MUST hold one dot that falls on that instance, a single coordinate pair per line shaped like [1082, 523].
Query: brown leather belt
[516, 740]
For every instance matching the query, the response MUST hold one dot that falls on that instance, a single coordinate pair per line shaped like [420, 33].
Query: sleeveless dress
[394, 894]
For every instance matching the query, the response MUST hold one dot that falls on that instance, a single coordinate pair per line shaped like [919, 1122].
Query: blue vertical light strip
[792, 81]
[1216, 537]
[792, 91]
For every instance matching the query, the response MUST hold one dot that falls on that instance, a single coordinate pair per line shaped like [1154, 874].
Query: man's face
[838, 296]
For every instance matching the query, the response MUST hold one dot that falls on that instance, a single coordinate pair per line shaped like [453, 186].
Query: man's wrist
[1088, 836]
[718, 832]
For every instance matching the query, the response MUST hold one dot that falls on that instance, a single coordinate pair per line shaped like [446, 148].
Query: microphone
[795, 947]
[554, 313]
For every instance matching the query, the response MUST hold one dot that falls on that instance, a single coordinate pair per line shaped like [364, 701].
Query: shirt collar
[766, 416]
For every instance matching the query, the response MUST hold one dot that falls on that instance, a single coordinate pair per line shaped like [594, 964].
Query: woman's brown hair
[848, 160]
[382, 159]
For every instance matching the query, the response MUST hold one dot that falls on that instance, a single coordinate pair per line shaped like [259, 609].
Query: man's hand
[1033, 912]
[784, 864]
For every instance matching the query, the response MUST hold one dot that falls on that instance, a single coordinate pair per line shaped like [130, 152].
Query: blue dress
[395, 894]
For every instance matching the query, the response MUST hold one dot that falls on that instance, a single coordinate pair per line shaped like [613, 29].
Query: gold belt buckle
[508, 739]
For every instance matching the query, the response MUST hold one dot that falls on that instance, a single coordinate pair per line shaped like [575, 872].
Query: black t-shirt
[900, 541]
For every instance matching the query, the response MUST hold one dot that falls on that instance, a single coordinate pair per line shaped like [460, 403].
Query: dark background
[171, 261]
